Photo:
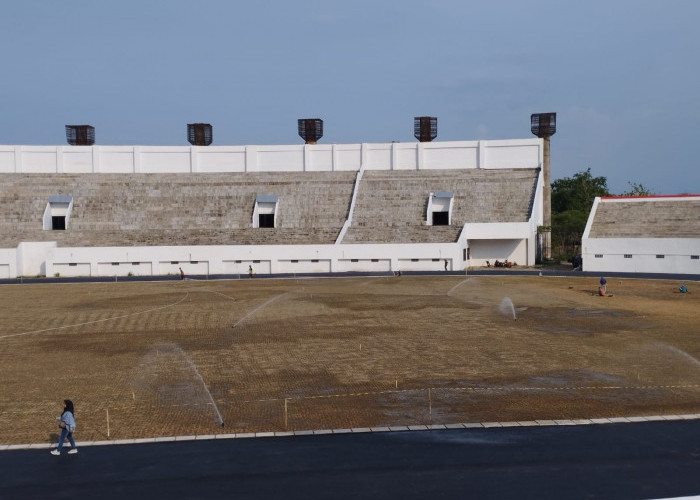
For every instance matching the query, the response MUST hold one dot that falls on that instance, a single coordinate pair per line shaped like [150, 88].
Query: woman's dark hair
[69, 406]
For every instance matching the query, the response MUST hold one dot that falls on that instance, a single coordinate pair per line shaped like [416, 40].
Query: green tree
[577, 192]
[572, 200]
[567, 230]
[637, 190]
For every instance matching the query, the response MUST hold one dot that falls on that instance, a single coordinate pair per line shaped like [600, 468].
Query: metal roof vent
[199, 134]
[80, 135]
[425, 128]
[543, 124]
[310, 129]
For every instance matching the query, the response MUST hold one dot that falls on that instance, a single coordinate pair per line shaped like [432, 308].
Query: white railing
[348, 220]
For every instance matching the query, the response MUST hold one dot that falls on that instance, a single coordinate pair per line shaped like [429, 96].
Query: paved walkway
[360, 430]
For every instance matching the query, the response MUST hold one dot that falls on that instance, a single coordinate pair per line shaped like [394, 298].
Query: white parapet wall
[515, 153]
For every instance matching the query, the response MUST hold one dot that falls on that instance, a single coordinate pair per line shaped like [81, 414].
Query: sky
[622, 75]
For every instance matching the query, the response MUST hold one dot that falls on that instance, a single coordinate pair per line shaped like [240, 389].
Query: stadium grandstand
[94, 210]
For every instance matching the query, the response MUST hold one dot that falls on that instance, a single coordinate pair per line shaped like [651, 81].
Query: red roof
[652, 196]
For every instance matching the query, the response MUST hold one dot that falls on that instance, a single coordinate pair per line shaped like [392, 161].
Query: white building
[143, 210]
[651, 234]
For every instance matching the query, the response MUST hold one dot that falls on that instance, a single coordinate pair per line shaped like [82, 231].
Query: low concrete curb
[398, 428]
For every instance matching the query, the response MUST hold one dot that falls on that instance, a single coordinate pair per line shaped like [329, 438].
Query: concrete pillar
[546, 202]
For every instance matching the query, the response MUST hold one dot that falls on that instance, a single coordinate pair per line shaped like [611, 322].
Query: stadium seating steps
[650, 218]
[217, 209]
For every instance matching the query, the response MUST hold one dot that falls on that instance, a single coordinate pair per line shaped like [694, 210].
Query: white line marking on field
[95, 321]
[484, 390]
[218, 293]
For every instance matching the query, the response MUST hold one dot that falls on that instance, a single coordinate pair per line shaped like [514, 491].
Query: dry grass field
[176, 358]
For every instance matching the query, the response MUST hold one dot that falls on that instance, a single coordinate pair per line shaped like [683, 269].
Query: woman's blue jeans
[64, 433]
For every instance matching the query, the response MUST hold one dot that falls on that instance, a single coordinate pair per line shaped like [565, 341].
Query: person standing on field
[67, 424]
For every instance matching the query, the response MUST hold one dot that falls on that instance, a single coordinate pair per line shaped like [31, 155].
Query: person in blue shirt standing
[603, 286]
[67, 424]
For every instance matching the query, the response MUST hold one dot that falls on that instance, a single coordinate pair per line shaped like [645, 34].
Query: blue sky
[622, 75]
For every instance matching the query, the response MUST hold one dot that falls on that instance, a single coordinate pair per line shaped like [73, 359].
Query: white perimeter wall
[517, 153]
[31, 258]
[8, 263]
[642, 254]
[49, 260]
[204, 260]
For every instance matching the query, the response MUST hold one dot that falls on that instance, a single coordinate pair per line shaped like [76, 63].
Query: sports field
[179, 357]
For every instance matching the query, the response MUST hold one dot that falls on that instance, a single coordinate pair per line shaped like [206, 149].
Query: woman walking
[67, 424]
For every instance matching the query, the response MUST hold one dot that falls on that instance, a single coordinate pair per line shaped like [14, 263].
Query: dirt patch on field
[155, 359]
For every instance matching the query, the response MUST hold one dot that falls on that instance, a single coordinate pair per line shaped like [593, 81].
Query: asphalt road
[612, 461]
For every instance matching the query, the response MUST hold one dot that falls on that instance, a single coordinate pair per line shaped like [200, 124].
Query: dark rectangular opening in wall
[58, 222]
[266, 220]
[441, 218]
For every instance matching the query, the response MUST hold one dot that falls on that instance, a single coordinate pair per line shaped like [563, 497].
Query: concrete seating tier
[647, 218]
[176, 209]
[391, 206]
